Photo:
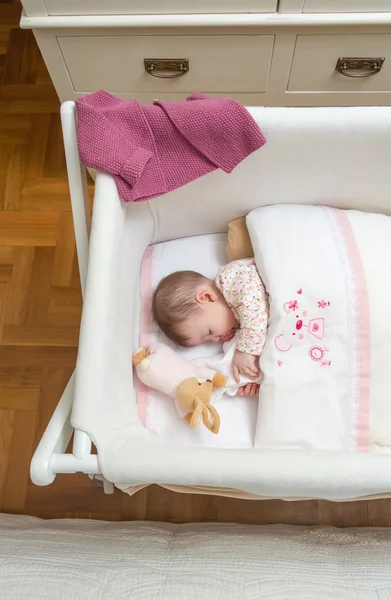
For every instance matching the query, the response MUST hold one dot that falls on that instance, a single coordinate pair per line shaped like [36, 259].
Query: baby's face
[214, 322]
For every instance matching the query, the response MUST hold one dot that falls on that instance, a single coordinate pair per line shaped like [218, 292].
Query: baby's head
[190, 310]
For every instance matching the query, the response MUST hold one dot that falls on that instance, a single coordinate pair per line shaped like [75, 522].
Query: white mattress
[205, 254]
[68, 559]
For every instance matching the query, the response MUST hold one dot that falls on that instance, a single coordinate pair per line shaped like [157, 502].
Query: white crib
[333, 156]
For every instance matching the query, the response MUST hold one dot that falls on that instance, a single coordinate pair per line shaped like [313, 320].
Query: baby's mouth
[229, 335]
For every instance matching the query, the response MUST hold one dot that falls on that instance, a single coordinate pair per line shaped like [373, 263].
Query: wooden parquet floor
[40, 308]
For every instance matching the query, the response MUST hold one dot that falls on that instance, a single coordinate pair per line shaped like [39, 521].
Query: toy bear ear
[219, 380]
[282, 344]
[139, 356]
[211, 418]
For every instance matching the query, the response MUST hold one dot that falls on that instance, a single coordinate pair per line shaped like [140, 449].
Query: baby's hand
[245, 364]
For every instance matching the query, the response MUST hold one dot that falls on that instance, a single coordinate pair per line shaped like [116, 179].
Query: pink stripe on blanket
[145, 327]
[361, 333]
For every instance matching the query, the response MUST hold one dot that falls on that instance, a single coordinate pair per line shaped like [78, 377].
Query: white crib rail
[77, 178]
[50, 456]
[78, 189]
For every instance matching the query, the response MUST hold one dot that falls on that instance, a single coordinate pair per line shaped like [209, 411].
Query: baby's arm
[252, 314]
[245, 292]
[251, 339]
[252, 310]
[245, 364]
[253, 324]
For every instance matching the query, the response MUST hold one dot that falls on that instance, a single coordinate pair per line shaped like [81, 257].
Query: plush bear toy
[161, 368]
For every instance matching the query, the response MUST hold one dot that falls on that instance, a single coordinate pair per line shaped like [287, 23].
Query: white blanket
[326, 362]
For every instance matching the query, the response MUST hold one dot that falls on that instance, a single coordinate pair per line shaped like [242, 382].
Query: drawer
[121, 7]
[225, 63]
[315, 58]
[340, 6]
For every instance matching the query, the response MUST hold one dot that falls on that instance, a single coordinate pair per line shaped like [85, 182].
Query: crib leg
[99, 480]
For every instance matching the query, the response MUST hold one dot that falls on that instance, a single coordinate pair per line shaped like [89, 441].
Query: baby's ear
[203, 296]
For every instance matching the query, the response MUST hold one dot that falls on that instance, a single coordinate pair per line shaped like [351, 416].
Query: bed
[76, 558]
[333, 156]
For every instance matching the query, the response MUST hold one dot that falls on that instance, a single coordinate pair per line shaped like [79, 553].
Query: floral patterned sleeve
[243, 290]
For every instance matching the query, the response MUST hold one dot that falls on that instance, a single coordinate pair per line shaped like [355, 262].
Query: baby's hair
[174, 301]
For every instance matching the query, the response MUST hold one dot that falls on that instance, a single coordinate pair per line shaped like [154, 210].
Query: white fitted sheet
[206, 254]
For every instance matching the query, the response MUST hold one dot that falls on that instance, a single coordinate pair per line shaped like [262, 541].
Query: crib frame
[280, 475]
[51, 456]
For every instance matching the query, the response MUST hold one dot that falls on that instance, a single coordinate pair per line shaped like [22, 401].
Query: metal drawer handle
[359, 67]
[166, 68]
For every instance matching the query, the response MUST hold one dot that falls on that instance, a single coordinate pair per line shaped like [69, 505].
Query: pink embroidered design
[281, 343]
[317, 354]
[279, 362]
[300, 291]
[316, 328]
[291, 305]
[323, 304]
[299, 327]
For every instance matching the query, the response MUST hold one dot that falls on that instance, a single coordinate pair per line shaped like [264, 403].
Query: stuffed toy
[161, 368]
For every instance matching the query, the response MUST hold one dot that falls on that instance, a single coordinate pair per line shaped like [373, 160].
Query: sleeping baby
[192, 309]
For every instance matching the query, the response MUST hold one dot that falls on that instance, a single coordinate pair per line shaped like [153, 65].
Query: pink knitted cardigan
[151, 149]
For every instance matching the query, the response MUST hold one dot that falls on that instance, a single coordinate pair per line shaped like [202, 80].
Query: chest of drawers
[262, 52]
